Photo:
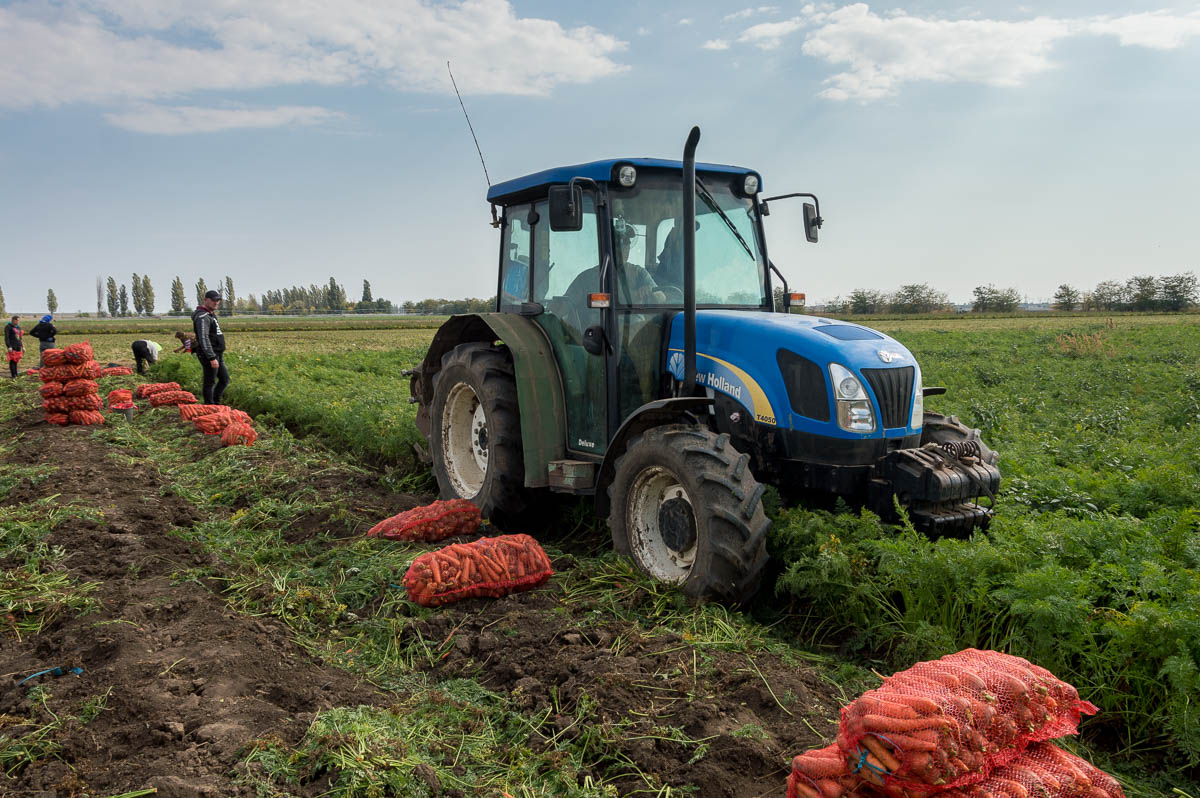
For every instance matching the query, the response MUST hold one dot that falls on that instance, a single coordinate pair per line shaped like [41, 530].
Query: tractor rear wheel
[476, 431]
[687, 510]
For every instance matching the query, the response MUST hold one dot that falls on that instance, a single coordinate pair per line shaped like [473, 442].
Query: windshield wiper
[712, 203]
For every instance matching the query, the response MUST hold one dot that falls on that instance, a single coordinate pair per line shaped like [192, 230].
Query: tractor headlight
[627, 176]
[854, 411]
[918, 411]
[750, 185]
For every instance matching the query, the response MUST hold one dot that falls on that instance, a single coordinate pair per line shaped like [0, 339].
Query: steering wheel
[674, 294]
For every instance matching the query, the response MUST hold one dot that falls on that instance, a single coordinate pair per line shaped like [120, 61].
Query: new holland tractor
[636, 355]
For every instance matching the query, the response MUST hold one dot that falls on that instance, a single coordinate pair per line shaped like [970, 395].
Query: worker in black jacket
[12, 343]
[44, 331]
[210, 348]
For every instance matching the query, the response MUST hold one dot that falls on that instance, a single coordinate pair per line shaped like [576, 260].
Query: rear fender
[683, 409]
[539, 385]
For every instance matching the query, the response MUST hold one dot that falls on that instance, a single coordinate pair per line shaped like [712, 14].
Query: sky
[282, 142]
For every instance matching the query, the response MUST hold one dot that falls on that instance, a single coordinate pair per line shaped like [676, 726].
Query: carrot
[804, 790]
[879, 706]
[831, 788]
[436, 569]
[890, 763]
[905, 743]
[819, 768]
[1013, 788]
[874, 773]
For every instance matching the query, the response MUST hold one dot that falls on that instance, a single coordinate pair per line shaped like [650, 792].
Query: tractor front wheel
[476, 431]
[687, 510]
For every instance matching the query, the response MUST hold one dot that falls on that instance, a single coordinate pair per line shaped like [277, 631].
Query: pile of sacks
[976, 724]
[234, 426]
[70, 393]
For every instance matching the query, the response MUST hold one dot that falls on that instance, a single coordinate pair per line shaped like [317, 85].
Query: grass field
[1091, 569]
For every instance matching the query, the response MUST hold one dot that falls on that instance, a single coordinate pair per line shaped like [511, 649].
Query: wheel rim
[662, 525]
[465, 441]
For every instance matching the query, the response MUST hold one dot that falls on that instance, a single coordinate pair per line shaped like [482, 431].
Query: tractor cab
[635, 355]
[605, 281]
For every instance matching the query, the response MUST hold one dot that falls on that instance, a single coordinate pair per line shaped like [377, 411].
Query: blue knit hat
[47, 317]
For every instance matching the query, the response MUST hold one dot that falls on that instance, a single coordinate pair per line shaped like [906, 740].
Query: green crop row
[1092, 567]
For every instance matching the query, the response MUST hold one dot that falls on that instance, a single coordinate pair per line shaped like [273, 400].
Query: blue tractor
[636, 354]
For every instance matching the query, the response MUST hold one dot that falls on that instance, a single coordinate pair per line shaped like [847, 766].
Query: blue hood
[737, 354]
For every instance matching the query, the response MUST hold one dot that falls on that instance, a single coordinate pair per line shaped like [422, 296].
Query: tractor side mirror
[566, 208]
[812, 222]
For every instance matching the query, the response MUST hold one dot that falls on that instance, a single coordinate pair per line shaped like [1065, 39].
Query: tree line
[1172, 293]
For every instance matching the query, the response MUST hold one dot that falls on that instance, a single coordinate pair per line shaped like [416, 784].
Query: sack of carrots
[65, 373]
[1043, 770]
[116, 371]
[65, 404]
[162, 398]
[486, 567]
[947, 722]
[215, 423]
[193, 412]
[78, 354]
[80, 387]
[433, 522]
[53, 357]
[59, 419]
[149, 388]
[120, 399]
[238, 433]
[51, 389]
[86, 416]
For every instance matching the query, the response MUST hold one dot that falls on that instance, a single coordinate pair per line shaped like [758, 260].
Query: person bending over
[145, 352]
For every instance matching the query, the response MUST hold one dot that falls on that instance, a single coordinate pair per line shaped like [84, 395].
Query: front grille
[893, 390]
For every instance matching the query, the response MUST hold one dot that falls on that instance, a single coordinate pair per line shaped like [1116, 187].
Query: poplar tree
[112, 297]
[137, 294]
[124, 301]
[178, 297]
[147, 295]
[201, 290]
[51, 301]
[227, 300]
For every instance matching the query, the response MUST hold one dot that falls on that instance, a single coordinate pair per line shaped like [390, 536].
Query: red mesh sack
[78, 354]
[51, 389]
[948, 722]
[193, 412]
[56, 404]
[119, 396]
[172, 398]
[88, 401]
[486, 567]
[1043, 770]
[150, 388]
[437, 521]
[86, 417]
[116, 371]
[215, 423]
[238, 433]
[53, 357]
[80, 388]
[822, 773]
[61, 419]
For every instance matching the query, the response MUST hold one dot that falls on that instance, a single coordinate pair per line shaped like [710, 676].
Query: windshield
[649, 243]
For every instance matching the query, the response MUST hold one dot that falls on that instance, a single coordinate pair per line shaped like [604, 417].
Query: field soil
[191, 682]
[187, 684]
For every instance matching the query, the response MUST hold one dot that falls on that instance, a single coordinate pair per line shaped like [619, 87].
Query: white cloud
[1158, 30]
[769, 35]
[685, 21]
[716, 44]
[746, 13]
[174, 120]
[884, 52]
[114, 51]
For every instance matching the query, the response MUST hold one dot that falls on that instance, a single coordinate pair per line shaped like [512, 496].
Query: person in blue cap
[44, 331]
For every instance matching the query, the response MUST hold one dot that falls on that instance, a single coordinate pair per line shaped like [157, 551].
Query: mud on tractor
[635, 355]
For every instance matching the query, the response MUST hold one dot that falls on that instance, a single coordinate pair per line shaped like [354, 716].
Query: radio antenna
[469, 126]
